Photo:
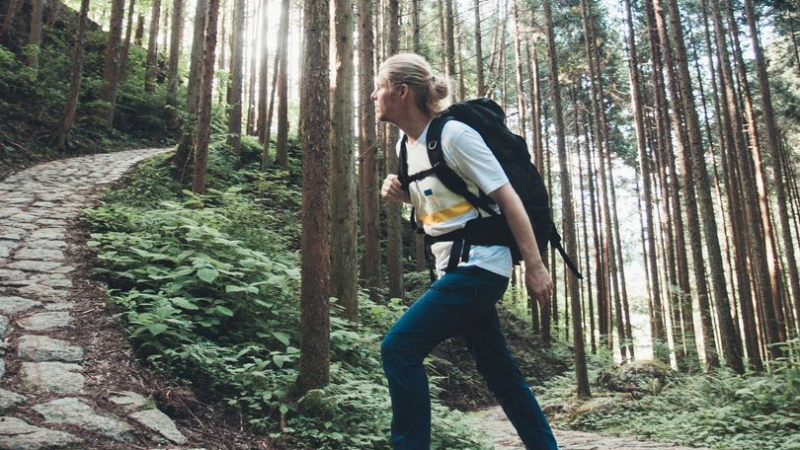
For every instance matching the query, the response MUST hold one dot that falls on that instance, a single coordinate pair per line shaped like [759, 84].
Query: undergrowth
[209, 290]
[719, 409]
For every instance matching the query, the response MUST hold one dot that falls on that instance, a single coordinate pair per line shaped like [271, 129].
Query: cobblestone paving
[495, 424]
[49, 406]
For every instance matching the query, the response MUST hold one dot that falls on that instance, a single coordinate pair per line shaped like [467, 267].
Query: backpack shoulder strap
[447, 175]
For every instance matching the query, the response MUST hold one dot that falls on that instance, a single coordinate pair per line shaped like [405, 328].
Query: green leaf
[282, 337]
[225, 311]
[183, 303]
[207, 274]
[278, 360]
[156, 328]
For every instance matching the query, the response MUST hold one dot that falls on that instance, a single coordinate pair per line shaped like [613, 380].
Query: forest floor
[494, 422]
[68, 375]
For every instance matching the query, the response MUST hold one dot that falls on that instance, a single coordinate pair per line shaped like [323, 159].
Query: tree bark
[71, 107]
[108, 91]
[518, 71]
[344, 257]
[263, 70]
[175, 52]
[773, 148]
[123, 59]
[394, 221]
[478, 49]
[35, 35]
[314, 370]
[368, 147]
[204, 103]
[152, 49]
[566, 193]
[234, 139]
[281, 145]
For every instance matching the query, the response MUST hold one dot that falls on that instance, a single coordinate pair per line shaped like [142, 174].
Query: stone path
[51, 390]
[495, 424]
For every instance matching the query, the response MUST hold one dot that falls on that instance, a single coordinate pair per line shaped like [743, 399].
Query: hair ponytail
[432, 92]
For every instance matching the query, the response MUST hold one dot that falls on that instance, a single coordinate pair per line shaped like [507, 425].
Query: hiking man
[472, 278]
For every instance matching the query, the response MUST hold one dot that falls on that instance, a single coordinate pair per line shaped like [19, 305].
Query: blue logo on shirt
[428, 192]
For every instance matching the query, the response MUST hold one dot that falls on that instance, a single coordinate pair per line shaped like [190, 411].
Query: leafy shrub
[209, 288]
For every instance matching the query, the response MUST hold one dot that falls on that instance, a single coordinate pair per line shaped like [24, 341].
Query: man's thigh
[449, 307]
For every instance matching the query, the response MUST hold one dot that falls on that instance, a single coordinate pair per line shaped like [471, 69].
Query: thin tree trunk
[344, 258]
[478, 49]
[263, 72]
[755, 237]
[175, 52]
[11, 13]
[71, 107]
[566, 195]
[773, 148]
[108, 91]
[371, 267]
[270, 110]
[152, 49]
[35, 35]
[314, 370]
[281, 146]
[139, 36]
[518, 71]
[393, 210]
[123, 59]
[234, 139]
[204, 103]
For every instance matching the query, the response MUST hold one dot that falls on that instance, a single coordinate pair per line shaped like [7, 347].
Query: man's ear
[402, 91]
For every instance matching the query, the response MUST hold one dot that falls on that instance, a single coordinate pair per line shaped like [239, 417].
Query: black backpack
[488, 119]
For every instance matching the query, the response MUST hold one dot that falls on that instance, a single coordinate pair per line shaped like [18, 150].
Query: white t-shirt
[440, 210]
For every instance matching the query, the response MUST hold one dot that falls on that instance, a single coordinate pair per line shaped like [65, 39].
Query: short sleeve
[465, 151]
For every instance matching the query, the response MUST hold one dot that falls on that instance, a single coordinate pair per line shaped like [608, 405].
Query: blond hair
[432, 92]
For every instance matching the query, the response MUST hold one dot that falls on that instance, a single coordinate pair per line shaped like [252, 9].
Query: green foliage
[208, 287]
[720, 410]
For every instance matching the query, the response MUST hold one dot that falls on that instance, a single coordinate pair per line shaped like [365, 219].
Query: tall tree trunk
[175, 52]
[234, 139]
[478, 49]
[773, 148]
[35, 35]
[197, 56]
[204, 103]
[449, 40]
[252, 86]
[281, 146]
[368, 147]
[344, 257]
[586, 269]
[394, 221]
[71, 107]
[415, 34]
[108, 91]
[263, 71]
[756, 162]
[644, 159]
[152, 49]
[462, 89]
[139, 36]
[518, 71]
[755, 237]
[566, 195]
[11, 13]
[126, 46]
[270, 110]
[314, 370]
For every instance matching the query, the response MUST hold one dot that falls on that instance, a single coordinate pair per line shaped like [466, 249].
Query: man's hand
[539, 284]
[392, 190]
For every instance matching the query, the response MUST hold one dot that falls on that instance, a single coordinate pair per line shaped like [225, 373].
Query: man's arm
[537, 280]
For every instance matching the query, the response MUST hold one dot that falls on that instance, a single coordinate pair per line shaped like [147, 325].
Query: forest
[251, 269]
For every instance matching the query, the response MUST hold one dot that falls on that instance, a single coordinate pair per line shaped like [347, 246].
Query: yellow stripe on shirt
[446, 214]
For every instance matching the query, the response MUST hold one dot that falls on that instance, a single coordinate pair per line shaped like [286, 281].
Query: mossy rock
[637, 377]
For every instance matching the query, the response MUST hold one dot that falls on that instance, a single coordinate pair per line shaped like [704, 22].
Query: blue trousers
[461, 302]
